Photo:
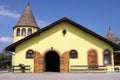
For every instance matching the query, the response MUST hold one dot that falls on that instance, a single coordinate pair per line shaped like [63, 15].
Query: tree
[5, 59]
[2, 57]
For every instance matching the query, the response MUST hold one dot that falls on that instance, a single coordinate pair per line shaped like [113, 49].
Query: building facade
[62, 46]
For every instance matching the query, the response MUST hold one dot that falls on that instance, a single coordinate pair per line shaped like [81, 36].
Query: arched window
[73, 54]
[18, 32]
[24, 32]
[29, 31]
[30, 54]
[107, 57]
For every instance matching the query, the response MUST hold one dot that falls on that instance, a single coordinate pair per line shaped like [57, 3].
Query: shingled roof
[110, 36]
[27, 18]
[64, 19]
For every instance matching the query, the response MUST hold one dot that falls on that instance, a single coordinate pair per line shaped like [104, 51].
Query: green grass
[3, 69]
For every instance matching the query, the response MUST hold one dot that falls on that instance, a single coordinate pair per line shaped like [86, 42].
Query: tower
[110, 33]
[26, 25]
[110, 36]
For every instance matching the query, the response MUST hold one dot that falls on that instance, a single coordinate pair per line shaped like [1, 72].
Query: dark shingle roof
[64, 19]
[27, 18]
[110, 36]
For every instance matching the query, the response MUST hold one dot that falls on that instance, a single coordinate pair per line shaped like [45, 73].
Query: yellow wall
[16, 38]
[53, 37]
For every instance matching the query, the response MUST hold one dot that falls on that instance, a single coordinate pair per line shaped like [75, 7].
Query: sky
[96, 15]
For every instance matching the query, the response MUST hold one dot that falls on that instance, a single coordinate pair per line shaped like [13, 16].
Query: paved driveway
[59, 76]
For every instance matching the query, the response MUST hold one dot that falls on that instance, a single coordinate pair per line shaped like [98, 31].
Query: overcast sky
[96, 15]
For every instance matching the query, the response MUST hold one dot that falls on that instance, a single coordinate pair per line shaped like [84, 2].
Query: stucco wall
[54, 38]
[16, 38]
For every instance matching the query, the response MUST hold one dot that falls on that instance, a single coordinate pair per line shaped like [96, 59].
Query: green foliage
[3, 57]
[5, 60]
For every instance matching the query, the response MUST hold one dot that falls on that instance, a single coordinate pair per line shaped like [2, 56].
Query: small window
[29, 54]
[29, 31]
[73, 54]
[18, 31]
[24, 32]
[107, 57]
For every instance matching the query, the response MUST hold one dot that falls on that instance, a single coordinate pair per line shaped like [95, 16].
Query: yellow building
[63, 46]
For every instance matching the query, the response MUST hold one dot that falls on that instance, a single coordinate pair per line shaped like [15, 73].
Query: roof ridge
[27, 18]
[12, 46]
[110, 36]
[110, 33]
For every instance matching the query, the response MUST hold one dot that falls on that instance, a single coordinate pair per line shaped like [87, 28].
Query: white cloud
[8, 13]
[42, 23]
[13, 14]
[6, 39]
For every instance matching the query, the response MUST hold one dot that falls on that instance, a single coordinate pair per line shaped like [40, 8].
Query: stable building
[62, 46]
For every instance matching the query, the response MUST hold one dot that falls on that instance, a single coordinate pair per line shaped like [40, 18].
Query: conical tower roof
[110, 33]
[110, 36]
[27, 18]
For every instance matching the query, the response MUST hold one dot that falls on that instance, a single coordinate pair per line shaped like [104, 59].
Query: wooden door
[92, 59]
[64, 62]
[38, 62]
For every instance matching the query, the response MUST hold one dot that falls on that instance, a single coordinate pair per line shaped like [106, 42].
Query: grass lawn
[3, 69]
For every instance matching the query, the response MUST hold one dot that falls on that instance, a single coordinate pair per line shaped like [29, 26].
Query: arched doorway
[51, 62]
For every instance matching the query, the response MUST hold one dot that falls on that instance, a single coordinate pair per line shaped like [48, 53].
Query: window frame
[23, 31]
[28, 53]
[18, 32]
[110, 57]
[75, 54]
[29, 30]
